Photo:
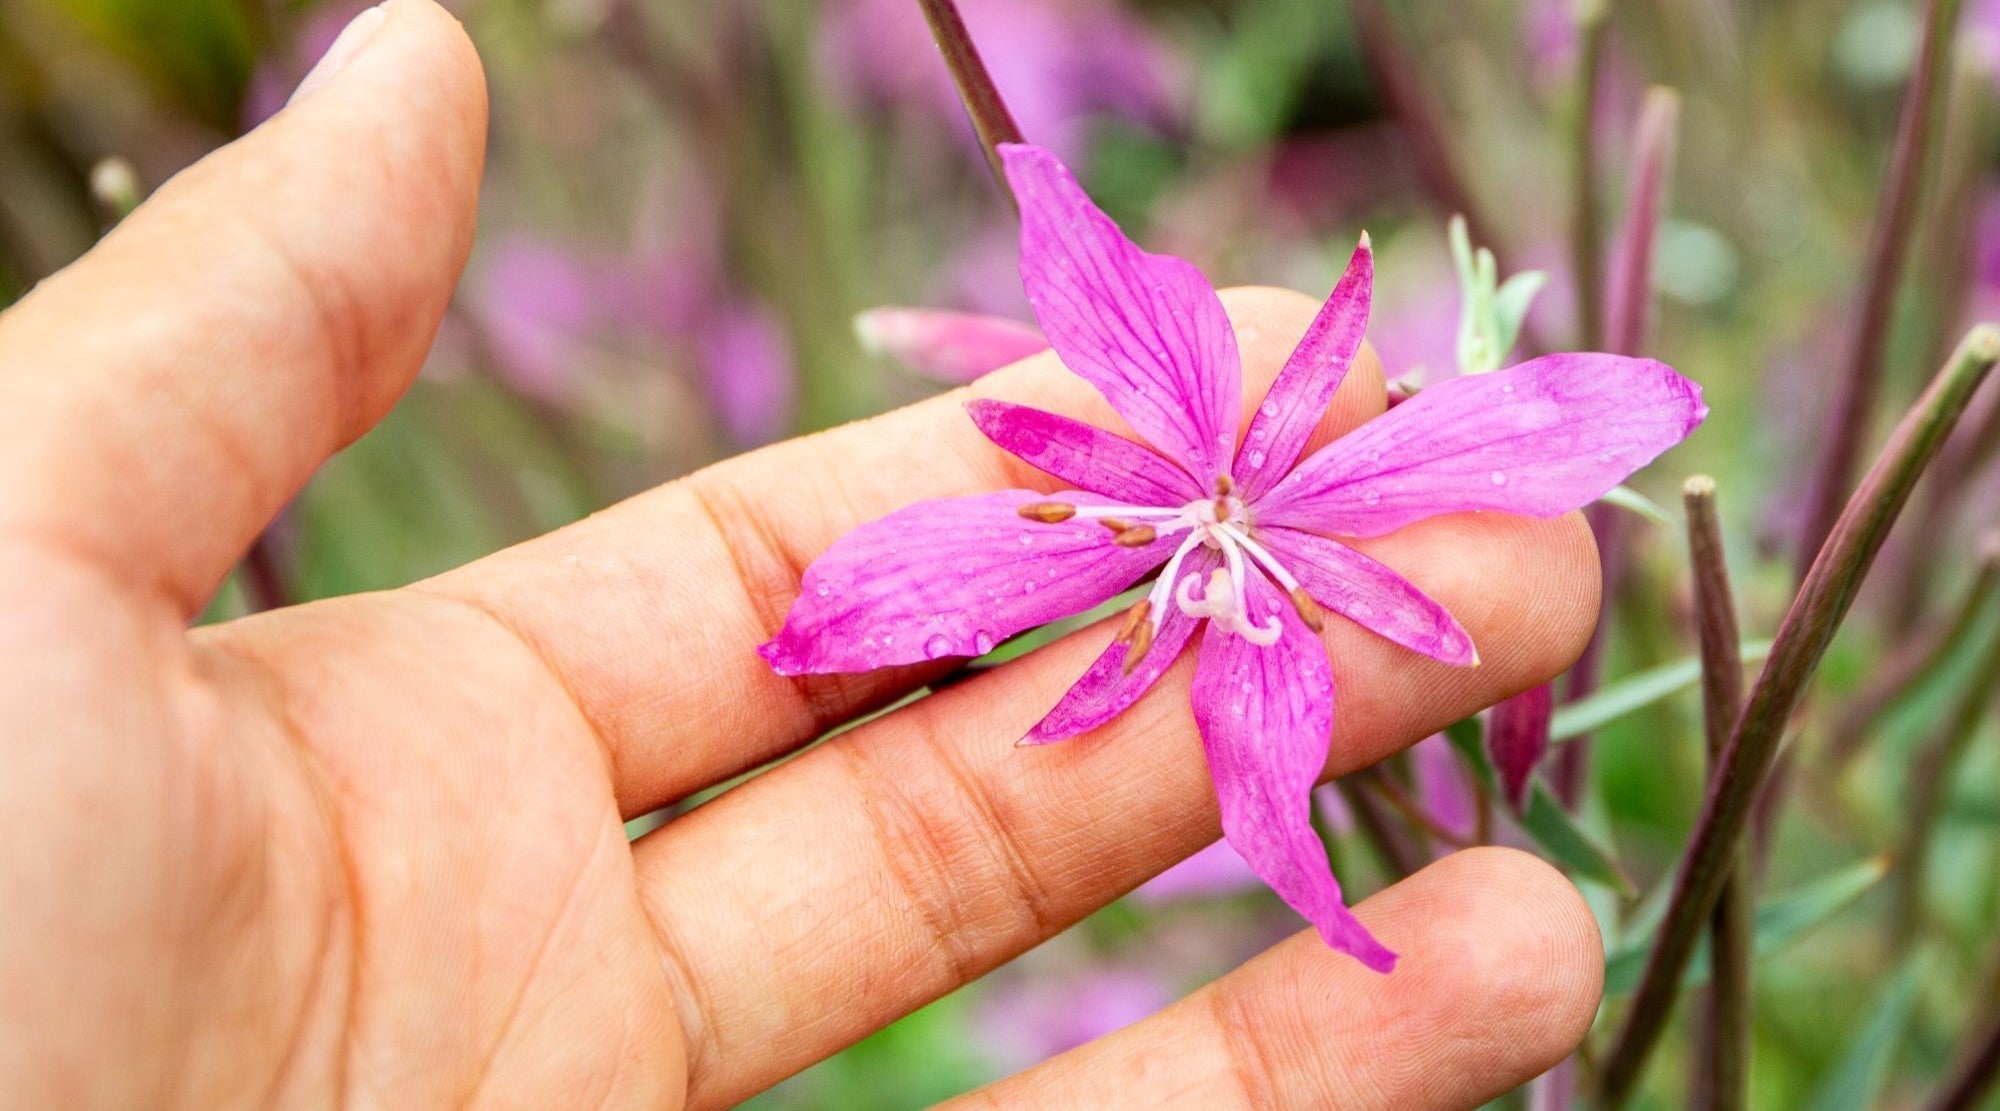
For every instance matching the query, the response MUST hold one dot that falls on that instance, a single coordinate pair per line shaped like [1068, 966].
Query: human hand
[370, 850]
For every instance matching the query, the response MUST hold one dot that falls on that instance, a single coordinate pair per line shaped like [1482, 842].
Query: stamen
[1221, 508]
[1137, 537]
[1224, 486]
[1047, 512]
[1309, 611]
[1263, 557]
[1115, 524]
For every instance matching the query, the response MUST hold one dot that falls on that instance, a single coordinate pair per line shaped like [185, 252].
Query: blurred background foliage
[686, 205]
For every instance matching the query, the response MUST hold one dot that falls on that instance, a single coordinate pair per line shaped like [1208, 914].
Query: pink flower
[1246, 531]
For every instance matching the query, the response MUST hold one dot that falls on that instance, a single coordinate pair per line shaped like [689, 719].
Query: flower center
[1221, 524]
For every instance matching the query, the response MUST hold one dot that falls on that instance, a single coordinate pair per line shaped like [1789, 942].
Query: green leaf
[1510, 308]
[1632, 501]
[200, 52]
[1635, 692]
[1856, 1082]
[1780, 922]
[1552, 828]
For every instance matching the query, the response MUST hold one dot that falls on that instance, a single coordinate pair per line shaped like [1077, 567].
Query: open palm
[370, 851]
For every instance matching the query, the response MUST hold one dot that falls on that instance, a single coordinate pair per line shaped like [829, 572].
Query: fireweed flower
[1252, 538]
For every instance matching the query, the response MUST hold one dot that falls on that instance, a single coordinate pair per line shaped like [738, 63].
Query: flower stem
[1392, 841]
[1930, 776]
[1815, 615]
[1586, 236]
[1723, 1050]
[1888, 248]
[990, 117]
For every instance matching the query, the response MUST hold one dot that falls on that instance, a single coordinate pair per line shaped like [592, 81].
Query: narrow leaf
[1554, 831]
[1779, 923]
[1856, 1082]
[1636, 692]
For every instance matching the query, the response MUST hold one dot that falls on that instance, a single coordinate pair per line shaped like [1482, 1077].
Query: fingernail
[353, 38]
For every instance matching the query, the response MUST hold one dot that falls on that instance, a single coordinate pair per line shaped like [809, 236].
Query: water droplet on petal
[1370, 497]
[982, 641]
[937, 647]
[1507, 387]
[1256, 458]
[1028, 587]
[888, 639]
[1499, 478]
[823, 590]
[1027, 538]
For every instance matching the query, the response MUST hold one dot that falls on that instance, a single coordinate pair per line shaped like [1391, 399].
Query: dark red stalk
[1860, 381]
[1395, 76]
[1977, 1073]
[990, 117]
[1823, 601]
[1629, 324]
[1586, 234]
[1722, 1052]
[1393, 842]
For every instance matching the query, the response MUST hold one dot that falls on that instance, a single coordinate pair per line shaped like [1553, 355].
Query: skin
[368, 851]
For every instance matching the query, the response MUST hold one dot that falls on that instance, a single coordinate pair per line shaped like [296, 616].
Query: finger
[1501, 975]
[650, 612]
[172, 389]
[904, 858]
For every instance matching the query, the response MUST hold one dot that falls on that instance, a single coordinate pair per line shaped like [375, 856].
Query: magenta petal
[1370, 595]
[1306, 385]
[1541, 439]
[950, 578]
[1105, 690]
[1085, 456]
[1266, 715]
[947, 346]
[1444, 786]
[1147, 330]
[1517, 737]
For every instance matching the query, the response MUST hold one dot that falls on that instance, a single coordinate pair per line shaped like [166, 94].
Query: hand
[369, 851]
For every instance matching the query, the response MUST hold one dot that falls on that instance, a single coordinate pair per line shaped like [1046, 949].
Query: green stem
[1586, 232]
[1823, 600]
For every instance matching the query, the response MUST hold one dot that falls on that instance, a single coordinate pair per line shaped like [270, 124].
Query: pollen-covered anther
[1309, 611]
[1115, 524]
[1224, 486]
[1141, 641]
[1136, 537]
[1047, 512]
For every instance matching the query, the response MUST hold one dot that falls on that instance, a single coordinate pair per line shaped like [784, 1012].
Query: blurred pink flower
[1024, 1022]
[1057, 64]
[953, 347]
[285, 63]
[1214, 872]
[1445, 788]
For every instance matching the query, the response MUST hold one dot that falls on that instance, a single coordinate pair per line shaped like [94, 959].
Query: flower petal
[1105, 690]
[1085, 456]
[1370, 595]
[947, 346]
[1309, 379]
[950, 578]
[1541, 439]
[1147, 330]
[1265, 716]
[1517, 737]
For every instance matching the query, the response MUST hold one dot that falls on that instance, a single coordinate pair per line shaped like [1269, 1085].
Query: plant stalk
[1722, 1061]
[1823, 600]
[990, 117]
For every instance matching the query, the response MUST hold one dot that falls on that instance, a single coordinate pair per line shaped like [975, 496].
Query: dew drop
[888, 639]
[1027, 538]
[1028, 587]
[1256, 458]
[1507, 387]
[982, 641]
[1370, 497]
[1375, 456]
[937, 647]
[1499, 478]
[824, 590]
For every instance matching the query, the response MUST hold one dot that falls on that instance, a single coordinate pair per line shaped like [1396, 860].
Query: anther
[1136, 537]
[1135, 617]
[1221, 508]
[1047, 512]
[1115, 524]
[1224, 486]
[1142, 642]
[1309, 611]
